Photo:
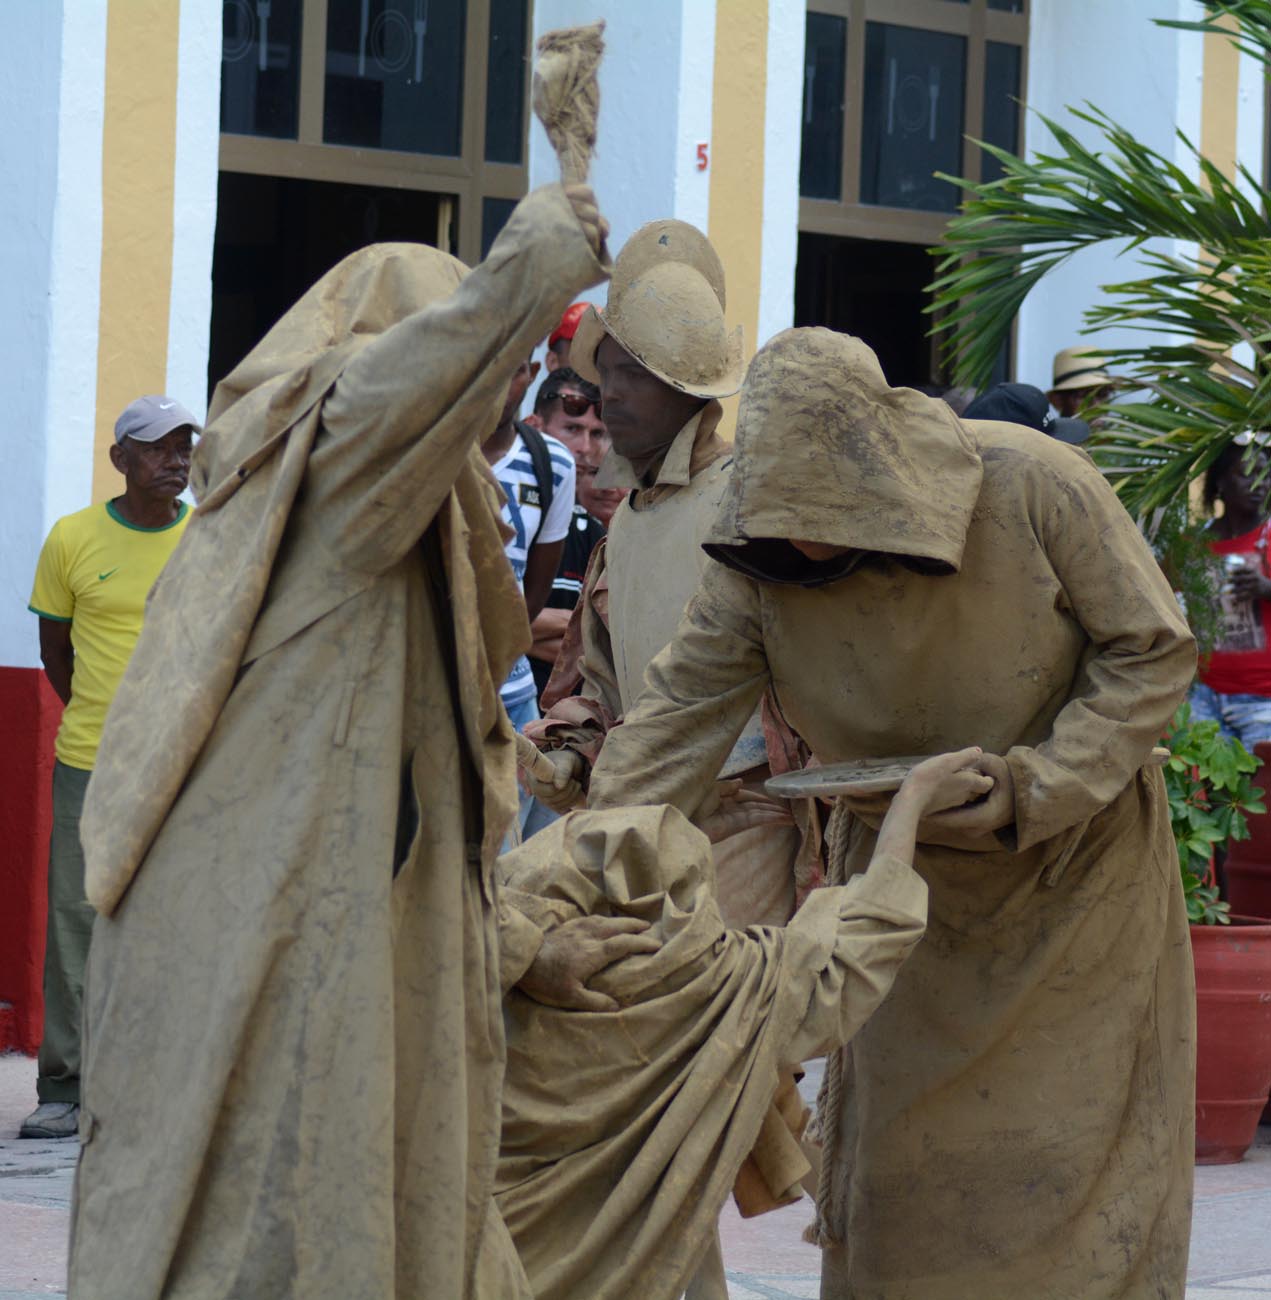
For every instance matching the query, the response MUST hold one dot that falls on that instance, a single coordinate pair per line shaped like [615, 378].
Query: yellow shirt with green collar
[95, 572]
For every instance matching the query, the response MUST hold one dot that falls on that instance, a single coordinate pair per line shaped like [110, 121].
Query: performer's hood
[826, 451]
[298, 360]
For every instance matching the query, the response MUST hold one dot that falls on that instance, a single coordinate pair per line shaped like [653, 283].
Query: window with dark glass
[1008, 6]
[821, 161]
[260, 67]
[394, 75]
[912, 117]
[505, 81]
[1001, 111]
[494, 216]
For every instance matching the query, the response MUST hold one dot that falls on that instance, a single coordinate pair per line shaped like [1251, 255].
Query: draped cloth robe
[293, 1033]
[623, 1131]
[1021, 1116]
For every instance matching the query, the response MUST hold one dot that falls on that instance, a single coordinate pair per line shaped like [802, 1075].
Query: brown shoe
[52, 1119]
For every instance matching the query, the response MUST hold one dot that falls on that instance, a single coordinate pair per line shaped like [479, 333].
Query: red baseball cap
[568, 323]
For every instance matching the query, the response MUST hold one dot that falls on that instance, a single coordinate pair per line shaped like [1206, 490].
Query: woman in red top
[1234, 686]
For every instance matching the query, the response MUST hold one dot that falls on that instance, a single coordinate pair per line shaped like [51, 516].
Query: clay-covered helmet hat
[666, 307]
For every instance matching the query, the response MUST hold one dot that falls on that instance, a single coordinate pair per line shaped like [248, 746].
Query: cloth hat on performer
[666, 308]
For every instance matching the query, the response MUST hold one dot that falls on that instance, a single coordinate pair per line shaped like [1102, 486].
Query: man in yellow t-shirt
[95, 571]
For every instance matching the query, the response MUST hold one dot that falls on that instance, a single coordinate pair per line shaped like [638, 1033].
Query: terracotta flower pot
[1233, 1035]
[1248, 866]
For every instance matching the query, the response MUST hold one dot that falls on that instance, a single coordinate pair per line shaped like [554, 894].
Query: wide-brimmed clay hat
[666, 307]
[1079, 368]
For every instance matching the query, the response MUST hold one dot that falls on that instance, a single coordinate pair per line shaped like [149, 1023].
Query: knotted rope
[829, 1098]
[566, 95]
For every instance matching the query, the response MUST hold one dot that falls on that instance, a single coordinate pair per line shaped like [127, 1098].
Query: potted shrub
[1209, 783]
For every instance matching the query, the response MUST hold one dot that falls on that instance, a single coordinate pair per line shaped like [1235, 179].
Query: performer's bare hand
[564, 791]
[991, 814]
[946, 781]
[939, 783]
[575, 951]
[583, 200]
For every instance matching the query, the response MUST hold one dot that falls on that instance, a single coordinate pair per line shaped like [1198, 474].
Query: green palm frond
[1013, 231]
[1190, 311]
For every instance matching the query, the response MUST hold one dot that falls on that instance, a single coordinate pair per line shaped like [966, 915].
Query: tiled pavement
[766, 1258]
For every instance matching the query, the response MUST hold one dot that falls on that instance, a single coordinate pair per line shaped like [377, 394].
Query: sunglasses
[577, 404]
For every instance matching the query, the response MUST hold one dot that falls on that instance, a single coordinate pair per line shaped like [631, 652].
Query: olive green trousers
[70, 927]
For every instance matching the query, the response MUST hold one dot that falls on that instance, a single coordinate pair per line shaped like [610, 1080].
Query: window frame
[464, 181]
[974, 21]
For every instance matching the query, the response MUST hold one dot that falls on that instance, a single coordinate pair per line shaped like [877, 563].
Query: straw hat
[666, 307]
[1079, 368]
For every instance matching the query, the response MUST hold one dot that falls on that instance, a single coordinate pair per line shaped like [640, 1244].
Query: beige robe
[643, 575]
[293, 1035]
[1021, 1118]
[623, 1131]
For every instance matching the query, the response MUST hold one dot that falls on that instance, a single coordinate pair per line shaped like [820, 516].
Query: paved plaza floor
[766, 1258]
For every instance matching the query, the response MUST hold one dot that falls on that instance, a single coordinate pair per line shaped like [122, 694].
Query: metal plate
[861, 776]
[868, 776]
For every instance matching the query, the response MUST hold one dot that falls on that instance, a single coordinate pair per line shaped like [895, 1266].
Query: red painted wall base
[29, 716]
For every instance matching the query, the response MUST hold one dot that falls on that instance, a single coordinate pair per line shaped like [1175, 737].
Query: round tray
[869, 776]
[860, 776]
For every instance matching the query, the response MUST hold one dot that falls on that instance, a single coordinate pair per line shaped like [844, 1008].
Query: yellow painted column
[138, 166]
[1220, 101]
[738, 115]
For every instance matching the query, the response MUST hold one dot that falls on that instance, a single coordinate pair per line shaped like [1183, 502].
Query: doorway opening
[276, 235]
[876, 291]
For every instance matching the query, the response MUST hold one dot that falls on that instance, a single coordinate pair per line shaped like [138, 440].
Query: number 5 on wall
[703, 156]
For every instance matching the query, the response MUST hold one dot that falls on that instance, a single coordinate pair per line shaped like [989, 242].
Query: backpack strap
[541, 459]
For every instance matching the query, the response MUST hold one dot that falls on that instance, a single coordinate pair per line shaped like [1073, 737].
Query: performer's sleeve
[399, 424]
[852, 939]
[699, 693]
[1125, 692]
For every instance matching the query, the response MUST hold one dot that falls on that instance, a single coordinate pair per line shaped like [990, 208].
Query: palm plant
[1192, 310]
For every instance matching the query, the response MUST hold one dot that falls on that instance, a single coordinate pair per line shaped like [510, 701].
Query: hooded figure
[623, 1132]
[293, 1036]
[1019, 1121]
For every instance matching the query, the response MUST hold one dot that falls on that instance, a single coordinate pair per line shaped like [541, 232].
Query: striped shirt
[522, 513]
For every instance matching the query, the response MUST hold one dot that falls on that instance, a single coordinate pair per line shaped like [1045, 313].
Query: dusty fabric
[633, 597]
[623, 1132]
[293, 1040]
[1021, 1118]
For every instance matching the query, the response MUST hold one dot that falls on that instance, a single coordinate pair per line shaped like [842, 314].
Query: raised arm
[403, 416]
[698, 695]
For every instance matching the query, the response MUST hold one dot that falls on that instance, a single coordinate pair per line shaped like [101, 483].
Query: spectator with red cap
[560, 339]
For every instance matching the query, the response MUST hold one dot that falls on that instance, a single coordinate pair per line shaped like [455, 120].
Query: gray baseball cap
[150, 418]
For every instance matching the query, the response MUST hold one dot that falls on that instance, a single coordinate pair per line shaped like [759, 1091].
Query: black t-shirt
[584, 532]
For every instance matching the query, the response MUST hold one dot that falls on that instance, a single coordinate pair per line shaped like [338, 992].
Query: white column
[51, 102]
[194, 202]
[1118, 59]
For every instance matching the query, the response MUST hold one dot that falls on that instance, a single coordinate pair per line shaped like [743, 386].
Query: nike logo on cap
[162, 407]
[101, 577]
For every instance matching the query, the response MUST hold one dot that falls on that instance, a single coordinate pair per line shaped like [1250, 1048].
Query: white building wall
[783, 130]
[1146, 78]
[50, 243]
[194, 203]
[656, 83]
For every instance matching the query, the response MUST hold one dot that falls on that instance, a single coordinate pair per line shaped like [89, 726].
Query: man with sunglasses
[568, 408]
